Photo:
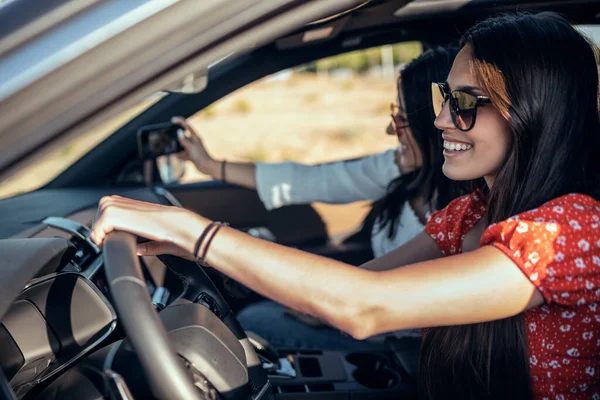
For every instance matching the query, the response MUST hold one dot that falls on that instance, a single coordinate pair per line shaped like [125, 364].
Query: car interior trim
[108, 329]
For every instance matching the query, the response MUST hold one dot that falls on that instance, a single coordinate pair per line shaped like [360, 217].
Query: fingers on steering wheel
[126, 203]
[100, 229]
[110, 210]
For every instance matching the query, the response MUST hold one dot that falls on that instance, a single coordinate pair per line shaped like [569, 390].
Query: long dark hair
[415, 83]
[542, 77]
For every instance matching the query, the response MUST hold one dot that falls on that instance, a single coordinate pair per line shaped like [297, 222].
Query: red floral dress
[557, 246]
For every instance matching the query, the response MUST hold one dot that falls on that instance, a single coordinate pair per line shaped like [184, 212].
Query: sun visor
[316, 34]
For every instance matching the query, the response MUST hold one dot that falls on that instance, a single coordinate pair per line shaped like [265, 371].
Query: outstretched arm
[478, 286]
[280, 184]
[242, 174]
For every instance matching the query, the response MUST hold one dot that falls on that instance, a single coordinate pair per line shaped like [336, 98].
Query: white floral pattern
[584, 245]
[575, 225]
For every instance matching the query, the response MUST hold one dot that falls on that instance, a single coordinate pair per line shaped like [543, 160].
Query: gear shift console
[319, 375]
[263, 349]
[275, 366]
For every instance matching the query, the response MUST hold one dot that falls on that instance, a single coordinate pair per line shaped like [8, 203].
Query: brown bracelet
[198, 243]
[223, 170]
[202, 259]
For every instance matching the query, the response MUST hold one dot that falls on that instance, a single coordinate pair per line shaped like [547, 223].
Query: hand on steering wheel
[163, 225]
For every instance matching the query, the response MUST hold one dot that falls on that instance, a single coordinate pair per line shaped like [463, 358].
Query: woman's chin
[458, 173]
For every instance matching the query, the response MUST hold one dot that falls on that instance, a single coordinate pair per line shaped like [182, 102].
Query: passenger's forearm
[421, 248]
[243, 174]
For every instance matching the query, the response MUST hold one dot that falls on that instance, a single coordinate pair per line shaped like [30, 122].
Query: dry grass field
[307, 119]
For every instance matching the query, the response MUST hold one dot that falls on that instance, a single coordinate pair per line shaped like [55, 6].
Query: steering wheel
[167, 375]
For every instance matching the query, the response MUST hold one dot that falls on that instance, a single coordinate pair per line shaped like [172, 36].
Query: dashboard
[65, 311]
[55, 321]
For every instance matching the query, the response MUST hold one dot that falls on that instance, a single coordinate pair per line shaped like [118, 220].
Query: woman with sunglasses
[506, 279]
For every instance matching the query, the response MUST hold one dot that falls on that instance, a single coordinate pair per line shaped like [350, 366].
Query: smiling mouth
[454, 146]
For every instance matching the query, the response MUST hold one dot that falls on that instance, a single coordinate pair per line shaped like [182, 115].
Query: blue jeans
[269, 320]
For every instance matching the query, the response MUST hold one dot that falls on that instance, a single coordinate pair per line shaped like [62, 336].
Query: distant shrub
[345, 134]
[242, 106]
[311, 98]
[257, 154]
[209, 112]
[362, 60]
[292, 154]
[67, 150]
[347, 85]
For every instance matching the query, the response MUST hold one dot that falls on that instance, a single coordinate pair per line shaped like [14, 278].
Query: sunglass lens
[464, 101]
[464, 119]
[437, 98]
[464, 110]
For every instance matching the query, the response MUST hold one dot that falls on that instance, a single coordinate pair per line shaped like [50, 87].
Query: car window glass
[591, 31]
[50, 165]
[331, 109]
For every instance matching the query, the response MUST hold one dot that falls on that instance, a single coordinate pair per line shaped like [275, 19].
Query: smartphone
[158, 140]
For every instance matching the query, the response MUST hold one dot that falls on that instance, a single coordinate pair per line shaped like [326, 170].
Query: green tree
[362, 60]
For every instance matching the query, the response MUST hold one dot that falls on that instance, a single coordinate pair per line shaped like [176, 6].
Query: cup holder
[367, 360]
[372, 371]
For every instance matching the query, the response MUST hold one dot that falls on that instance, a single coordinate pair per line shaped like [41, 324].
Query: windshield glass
[52, 164]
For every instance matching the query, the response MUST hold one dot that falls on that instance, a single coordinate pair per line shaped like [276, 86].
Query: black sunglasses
[463, 105]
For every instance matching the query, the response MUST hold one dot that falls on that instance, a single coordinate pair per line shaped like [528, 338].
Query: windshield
[48, 166]
[591, 31]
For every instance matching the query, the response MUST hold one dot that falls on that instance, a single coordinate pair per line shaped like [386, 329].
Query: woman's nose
[390, 129]
[444, 120]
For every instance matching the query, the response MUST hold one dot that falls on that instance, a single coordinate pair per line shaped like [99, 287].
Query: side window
[591, 31]
[328, 110]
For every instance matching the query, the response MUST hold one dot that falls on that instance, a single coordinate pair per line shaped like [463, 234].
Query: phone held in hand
[158, 139]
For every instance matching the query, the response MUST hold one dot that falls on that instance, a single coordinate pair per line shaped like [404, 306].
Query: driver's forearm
[334, 292]
[243, 174]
